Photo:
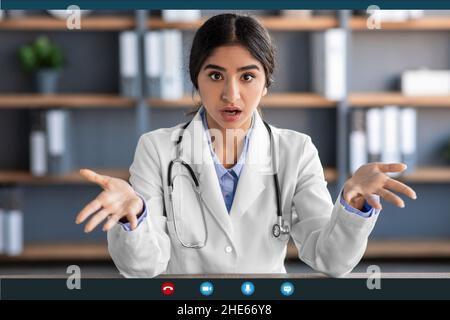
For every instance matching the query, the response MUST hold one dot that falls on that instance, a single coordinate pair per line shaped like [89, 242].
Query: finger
[102, 181]
[96, 219]
[391, 197]
[88, 210]
[133, 221]
[398, 186]
[112, 221]
[373, 202]
[392, 167]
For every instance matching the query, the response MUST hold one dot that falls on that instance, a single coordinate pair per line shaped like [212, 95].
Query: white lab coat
[328, 237]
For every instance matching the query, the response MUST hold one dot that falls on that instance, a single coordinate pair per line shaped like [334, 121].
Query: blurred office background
[365, 86]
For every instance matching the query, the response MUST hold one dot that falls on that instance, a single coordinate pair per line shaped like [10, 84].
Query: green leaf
[42, 53]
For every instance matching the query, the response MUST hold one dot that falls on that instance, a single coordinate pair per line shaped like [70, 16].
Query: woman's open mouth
[231, 115]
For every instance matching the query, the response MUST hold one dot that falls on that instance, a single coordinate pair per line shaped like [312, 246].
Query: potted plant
[44, 59]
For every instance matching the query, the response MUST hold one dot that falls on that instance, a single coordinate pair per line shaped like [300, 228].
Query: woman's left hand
[371, 179]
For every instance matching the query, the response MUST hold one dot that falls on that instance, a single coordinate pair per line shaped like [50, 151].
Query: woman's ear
[264, 91]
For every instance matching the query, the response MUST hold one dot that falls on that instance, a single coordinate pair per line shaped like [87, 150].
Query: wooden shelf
[429, 175]
[274, 23]
[117, 23]
[36, 101]
[104, 23]
[397, 249]
[274, 100]
[393, 98]
[61, 252]
[376, 249]
[24, 177]
[426, 23]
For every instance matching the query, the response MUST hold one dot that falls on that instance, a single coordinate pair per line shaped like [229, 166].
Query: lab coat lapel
[255, 172]
[196, 152]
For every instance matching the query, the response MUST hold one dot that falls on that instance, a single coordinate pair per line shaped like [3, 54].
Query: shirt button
[228, 249]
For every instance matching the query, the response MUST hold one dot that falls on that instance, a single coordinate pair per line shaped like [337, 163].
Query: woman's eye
[247, 77]
[215, 76]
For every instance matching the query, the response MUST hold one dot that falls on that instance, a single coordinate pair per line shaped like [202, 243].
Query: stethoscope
[280, 228]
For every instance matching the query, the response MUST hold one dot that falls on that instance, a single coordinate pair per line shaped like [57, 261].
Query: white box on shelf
[426, 83]
[181, 15]
[329, 63]
[396, 15]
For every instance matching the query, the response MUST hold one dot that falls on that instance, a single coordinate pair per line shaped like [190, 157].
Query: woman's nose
[231, 91]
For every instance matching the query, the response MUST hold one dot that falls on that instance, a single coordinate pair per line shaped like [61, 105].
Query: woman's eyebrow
[214, 66]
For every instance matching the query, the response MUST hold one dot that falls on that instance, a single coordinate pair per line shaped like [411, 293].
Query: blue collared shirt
[228, 178]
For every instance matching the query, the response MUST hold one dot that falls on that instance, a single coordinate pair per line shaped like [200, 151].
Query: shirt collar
[220, 169]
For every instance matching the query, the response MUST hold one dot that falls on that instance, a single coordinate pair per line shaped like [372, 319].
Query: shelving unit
[376, 249]
[32, 101]
[114, 23]
[287, 100]
[395, 98]
[61, 252]
[25, 178]
[397, 249]
[422, 24]
[48, 23]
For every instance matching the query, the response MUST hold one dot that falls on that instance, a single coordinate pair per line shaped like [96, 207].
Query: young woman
[223, 192]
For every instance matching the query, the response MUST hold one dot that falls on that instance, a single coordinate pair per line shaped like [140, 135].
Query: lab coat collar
[196, 152]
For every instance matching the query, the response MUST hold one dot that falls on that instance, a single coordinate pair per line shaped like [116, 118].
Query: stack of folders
[397, 15]
[50, 143]
[387, 135]
[163, 64]
[11, 224]
[328, 50]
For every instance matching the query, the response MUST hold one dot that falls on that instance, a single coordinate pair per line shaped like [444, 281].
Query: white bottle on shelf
[2, 223]
[13, 227]
[38, 146]
[57, 123]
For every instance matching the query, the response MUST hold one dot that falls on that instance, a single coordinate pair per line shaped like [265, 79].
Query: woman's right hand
[118, 201]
